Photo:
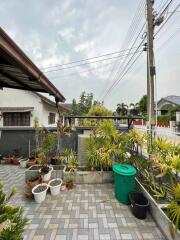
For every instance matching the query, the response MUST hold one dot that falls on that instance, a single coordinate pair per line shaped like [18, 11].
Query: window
[16, 119]
[51, 118]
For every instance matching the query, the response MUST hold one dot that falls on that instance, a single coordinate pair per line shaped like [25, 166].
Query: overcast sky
[53, 32]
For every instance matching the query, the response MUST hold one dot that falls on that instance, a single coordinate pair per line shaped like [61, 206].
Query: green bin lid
[124, 169]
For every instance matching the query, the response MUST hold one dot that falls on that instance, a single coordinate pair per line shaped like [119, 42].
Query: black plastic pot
[54, 161]
[139, 204]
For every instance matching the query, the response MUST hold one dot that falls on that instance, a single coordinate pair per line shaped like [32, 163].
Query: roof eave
[25, 64]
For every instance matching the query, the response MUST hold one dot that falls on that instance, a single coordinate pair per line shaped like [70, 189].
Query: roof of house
[19, 72]
[15, 109]
[66, 106]
[171, 99]
[46, 100]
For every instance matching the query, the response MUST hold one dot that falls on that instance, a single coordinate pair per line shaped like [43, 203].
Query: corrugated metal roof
[172, 99]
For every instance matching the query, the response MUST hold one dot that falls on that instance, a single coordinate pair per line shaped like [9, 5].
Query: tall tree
[143, 105]
[122, 109]
[134, 108]
[74, 107]
[85, 102]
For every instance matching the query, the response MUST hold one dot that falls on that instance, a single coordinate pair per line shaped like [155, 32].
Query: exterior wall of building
[163, 103]
[19, 98]
[45, 114]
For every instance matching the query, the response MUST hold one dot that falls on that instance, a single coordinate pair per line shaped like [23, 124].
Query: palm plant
[173, 207]
[105, 146]
[134, 108]
[122, 109]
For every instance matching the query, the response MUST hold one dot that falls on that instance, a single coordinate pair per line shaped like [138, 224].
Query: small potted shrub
[55, 185]
[45, 172]
[31, 161]
[39, 192]
[8, 160]
[16, 157]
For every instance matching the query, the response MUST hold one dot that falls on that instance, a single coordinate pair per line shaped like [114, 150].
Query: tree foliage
[84, 105]
[96, 110]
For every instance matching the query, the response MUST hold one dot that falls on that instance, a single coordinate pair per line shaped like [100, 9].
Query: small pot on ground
[32, 161]
[55, 185]
[45, 172]
[23, 162]
[139, 204]
[15, 160]
[30, 185]
[54, 161]
[33, 182]
[7, 160]
[39, 192]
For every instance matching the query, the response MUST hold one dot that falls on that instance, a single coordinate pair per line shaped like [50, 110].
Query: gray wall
[13, 139]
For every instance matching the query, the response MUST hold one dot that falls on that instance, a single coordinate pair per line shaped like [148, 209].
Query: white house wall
[45, 114]
[21, 98]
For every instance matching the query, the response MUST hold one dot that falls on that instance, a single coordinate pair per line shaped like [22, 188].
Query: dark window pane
[16, 119]
[51, 118]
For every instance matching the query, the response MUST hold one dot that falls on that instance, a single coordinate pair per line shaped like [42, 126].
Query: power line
[124, 69]
[164, 10]
[86, 63]
[129, 36]
[86, 59]
[126, 66]
[167, 40]
[172, 13]
[165, 7]
[88, 70]
[107, 93]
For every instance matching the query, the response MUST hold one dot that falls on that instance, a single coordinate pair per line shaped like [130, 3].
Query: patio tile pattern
[87, 212]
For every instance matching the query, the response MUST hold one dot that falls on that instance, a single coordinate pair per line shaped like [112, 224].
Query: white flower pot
[23, 163]
[55, 190]
[46, 177]
[40, 196]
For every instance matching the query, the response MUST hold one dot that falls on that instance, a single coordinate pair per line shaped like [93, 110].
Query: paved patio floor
[88, 212]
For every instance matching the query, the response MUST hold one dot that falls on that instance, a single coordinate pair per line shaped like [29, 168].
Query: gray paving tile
[86, 212]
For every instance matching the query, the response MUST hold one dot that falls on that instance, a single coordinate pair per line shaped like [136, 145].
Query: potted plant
[31, 161]
[45, 172]
[55, 185]
[8, 160]
[23, 162]
[39, 192]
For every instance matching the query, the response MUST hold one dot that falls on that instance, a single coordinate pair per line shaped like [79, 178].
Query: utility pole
[150, 72]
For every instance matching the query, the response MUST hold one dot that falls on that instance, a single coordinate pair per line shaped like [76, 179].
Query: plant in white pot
[55, 186]
[39, 192]
[45, 170]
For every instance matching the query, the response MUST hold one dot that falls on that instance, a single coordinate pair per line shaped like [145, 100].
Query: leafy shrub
[12, 223]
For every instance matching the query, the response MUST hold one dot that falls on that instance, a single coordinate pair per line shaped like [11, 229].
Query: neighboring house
[166, 104]
[66, 107]
[18, 108]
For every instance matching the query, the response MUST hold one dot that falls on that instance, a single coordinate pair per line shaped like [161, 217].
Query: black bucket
[139, 204]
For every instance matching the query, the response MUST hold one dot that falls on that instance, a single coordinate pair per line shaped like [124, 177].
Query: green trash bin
[124, 181]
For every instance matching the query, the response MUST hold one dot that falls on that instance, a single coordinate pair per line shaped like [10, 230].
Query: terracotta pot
[31, 162]
[33, 183]
[8, 160]
[15, 160]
